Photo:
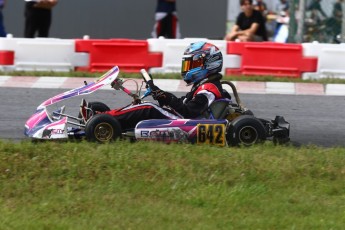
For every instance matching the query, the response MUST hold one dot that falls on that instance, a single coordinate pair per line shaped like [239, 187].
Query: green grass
[172, 76]
[147, 185]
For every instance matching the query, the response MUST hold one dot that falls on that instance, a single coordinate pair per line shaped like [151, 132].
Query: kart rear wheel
[102, 128]
[245, 130]
[95, 106]
[98, 106]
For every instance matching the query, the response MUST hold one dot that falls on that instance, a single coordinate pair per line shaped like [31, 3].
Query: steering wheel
[149, 82]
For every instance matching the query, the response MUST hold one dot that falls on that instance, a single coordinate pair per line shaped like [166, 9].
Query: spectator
[166, 24]
[282, 6]
[38, 17]
[2, 27]
[250, 25]
[337, 16]
[281, 31]
[261, 6]
[315, 8]
[269, 16]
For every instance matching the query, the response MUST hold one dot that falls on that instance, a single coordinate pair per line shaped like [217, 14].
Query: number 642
[211, 134]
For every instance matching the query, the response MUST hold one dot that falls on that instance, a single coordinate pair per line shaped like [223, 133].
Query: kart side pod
[183, 130]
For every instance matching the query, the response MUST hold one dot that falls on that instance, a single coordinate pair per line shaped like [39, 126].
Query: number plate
[211, 134]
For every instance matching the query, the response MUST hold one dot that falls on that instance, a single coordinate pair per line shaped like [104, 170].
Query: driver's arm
[251, 31]
[191, 109]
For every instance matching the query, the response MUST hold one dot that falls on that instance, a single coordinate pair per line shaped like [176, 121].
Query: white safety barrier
[330, 60]
[53, 54]
[173, 49]
[44, 54]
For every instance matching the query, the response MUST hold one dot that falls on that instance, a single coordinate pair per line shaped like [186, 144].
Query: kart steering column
[117, 84]
[147, 78]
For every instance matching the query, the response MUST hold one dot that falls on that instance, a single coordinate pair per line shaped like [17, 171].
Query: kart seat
[218, 109]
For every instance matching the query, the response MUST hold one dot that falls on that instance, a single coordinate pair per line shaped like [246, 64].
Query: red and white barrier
[271, 59]
[164, 56]
[330, 56]
[129, 55]
[39, 54]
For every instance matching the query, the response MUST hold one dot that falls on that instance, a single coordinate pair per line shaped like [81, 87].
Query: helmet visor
[190, 62]
[186, 63]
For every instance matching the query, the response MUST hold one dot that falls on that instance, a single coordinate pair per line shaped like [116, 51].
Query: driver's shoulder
[210, 87]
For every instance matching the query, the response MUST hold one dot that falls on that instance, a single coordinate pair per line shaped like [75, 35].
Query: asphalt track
[316, 120]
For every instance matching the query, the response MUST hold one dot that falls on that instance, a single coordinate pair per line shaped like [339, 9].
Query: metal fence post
[301, 20]
[342, 35]
[292, 22]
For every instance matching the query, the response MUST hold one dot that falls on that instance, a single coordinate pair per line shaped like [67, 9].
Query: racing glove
[159, 95]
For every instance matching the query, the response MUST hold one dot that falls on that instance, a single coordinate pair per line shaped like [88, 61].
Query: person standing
[337, 17]
[38, 17]
[166, 21]
[2, 27]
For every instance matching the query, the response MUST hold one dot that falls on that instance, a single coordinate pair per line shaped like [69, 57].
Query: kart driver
[201, 64]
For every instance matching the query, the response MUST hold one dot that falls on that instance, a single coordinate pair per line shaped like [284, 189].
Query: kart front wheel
[245, 130]
[102, 128]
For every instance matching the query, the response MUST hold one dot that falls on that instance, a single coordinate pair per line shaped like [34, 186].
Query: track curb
[246, 87]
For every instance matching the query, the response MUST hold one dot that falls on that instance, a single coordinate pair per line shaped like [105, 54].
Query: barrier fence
[315, 20]
[164, 56]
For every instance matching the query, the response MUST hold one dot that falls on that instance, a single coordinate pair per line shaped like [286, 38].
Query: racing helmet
[200, 60]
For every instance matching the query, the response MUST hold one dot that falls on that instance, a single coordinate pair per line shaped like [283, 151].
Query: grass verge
[147, 185]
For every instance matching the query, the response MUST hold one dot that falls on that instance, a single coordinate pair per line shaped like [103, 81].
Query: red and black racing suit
[190, 106]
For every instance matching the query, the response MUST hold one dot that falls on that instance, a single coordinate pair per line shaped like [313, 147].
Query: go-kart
[224, 123]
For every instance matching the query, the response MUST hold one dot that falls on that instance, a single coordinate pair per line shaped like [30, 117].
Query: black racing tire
[245, 130]
[96, 106]
[102, 128]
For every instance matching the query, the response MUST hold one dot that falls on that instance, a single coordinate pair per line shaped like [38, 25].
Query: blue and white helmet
[200, 60]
